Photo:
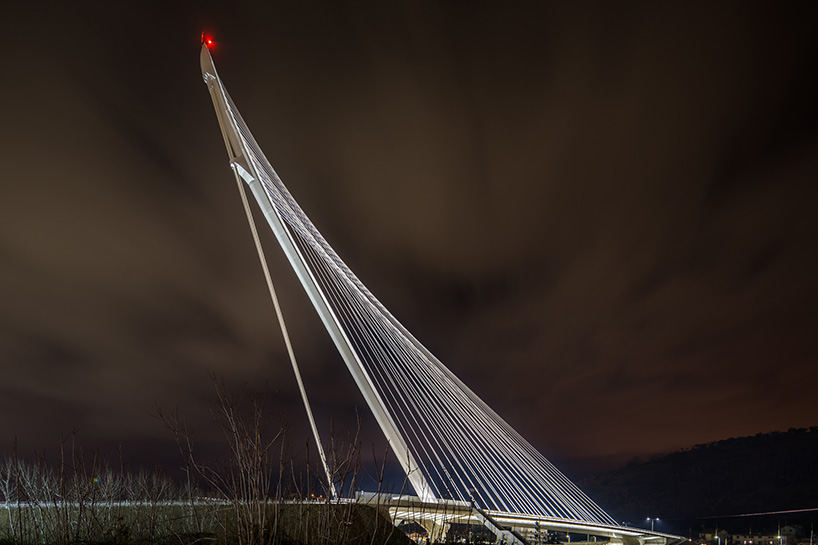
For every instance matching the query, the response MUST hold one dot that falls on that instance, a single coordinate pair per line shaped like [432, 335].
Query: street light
[652, 520]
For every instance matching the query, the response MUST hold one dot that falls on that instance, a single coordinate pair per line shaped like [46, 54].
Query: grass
[291, 523]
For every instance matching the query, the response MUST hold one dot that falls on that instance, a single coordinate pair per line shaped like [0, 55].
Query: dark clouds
[600, 216]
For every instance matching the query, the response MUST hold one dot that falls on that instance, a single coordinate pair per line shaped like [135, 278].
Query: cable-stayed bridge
[463, 461]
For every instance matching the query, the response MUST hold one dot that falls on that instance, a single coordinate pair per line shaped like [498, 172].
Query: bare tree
[247, 481]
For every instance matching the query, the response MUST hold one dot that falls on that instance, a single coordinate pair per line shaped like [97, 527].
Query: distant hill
[766, 472]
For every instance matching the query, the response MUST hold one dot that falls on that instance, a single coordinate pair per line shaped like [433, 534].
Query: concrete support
[436, 532]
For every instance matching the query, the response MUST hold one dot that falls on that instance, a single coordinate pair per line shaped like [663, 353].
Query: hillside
[766, 472]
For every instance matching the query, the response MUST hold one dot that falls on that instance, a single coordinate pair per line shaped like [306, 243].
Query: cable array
[463, 448]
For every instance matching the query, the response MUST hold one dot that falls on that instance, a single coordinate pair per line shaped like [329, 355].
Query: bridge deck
[443, 512]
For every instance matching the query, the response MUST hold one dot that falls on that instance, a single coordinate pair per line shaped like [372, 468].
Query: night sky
[601, 216]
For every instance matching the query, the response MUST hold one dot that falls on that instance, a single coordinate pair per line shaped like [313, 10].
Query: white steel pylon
[245, 164]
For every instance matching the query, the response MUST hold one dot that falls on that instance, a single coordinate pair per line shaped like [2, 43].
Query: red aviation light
[207, 40]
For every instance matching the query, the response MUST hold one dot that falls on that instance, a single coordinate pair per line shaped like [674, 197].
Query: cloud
[601, 220]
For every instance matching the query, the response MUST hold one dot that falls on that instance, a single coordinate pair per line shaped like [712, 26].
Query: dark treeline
[766, 472]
